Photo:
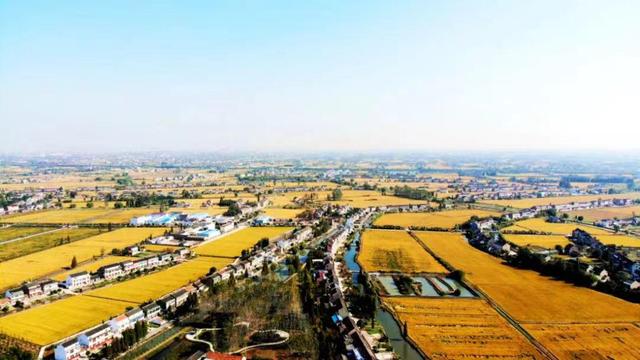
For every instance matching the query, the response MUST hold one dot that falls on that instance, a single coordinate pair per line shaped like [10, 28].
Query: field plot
[441, 219]
[282, 213]
[160, 283]
[541, 225]
[42, 242]
[545, 241]
[460, 329]
[589, 341]
[160, 248]
[283, 199]
[607, 213]
[33, 266]
[51, 322]
[369, 198]
[619, 240]
[80, 216]
[92, 266]
[395, 251]
[232, 245]
[14, 232]
[526, 295]
[527, 203]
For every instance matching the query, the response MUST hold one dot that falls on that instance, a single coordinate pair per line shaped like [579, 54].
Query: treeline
[411, 193]
[135, 200]
[261, 244]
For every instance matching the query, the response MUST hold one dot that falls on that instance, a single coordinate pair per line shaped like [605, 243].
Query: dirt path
[34, 235]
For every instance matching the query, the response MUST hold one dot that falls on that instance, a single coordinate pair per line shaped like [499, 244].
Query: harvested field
[442, 219]
[395, 251]
[33, 266]
[42, 242]
[231, 245]
[524, 294]
[589, 341]
[527, 203]
[542, 226]
[460, 328]
[545, 241]
[607, 213]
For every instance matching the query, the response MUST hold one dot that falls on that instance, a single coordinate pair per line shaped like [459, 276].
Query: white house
[135, 315]
[68, 350]
[119, 324]
[96, 338]
[111, 271]
[49, 286]
[78, 280]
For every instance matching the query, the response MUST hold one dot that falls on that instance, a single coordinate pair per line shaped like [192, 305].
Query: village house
[111, 271]
[78, 280]
[180, 296]
[127, 266]
[119, 324]
[96, 338]
[135, 315]
[167, 303]
[132, 250]
[15, 295]
[153, 262]
[151, 310]
[33, 289]
[68, 350]
[49, 286]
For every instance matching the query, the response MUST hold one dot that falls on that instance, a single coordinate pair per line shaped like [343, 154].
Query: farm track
[532, 340]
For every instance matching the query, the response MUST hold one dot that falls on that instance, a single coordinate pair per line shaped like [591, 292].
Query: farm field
[276, 213]
[38, 264]
[92, 266]
[588, 341]
[619, 240]
[80, 216]
[231, 245]
[283, 199]
[541, 225]
[157, 284]
[160, 248]
[441, 219]
[545, 241]
[395, 250]
[14, 232]
[527, 203]
[48, 323]
[525, 294]
[460, 328]
[369, 198]
[42, 242]
[607, 213]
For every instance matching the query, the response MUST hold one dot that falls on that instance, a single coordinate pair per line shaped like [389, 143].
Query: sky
[112, 76]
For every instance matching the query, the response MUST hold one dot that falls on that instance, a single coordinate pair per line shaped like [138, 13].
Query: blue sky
[319, 75]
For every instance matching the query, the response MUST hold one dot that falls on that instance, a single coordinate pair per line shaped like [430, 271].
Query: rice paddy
[395, 251]
[231, 245]
[79, 216]
[527, 203]
[442, 219]
[607, 213]
[277, 213]
[44, 241]
[545, 241]
[38, 264]
[459, 329]
[540, 225]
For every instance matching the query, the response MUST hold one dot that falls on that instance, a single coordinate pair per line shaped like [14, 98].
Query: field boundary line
[110, 298]
[533, 341]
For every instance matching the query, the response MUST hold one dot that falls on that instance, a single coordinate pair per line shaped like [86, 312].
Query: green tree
[74, 262]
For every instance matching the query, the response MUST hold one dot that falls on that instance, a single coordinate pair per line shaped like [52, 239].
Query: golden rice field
[33, 266]
[49, 323]
[619, 240]
[545, 241]
[541, 225]
[371, 198]
[92, 266]
[231, 245]
[283, 199]
[460, 329]
[43, 241]
[395, 251]
[160, 248]
[560, 200]
[277, 213]
[524, 294]
[607, 213]
[160, 283]
[52, 322]
[589, 341]
[441, 219]
[79, 216]
[13, 232]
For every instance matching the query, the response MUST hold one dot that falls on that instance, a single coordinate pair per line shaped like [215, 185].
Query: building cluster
[574, 206]
[26, 202]
[38, 290]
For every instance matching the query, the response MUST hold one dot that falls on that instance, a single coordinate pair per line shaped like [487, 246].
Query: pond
[350, 258]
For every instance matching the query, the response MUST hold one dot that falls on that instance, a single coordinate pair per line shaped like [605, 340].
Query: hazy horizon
[410, 76]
